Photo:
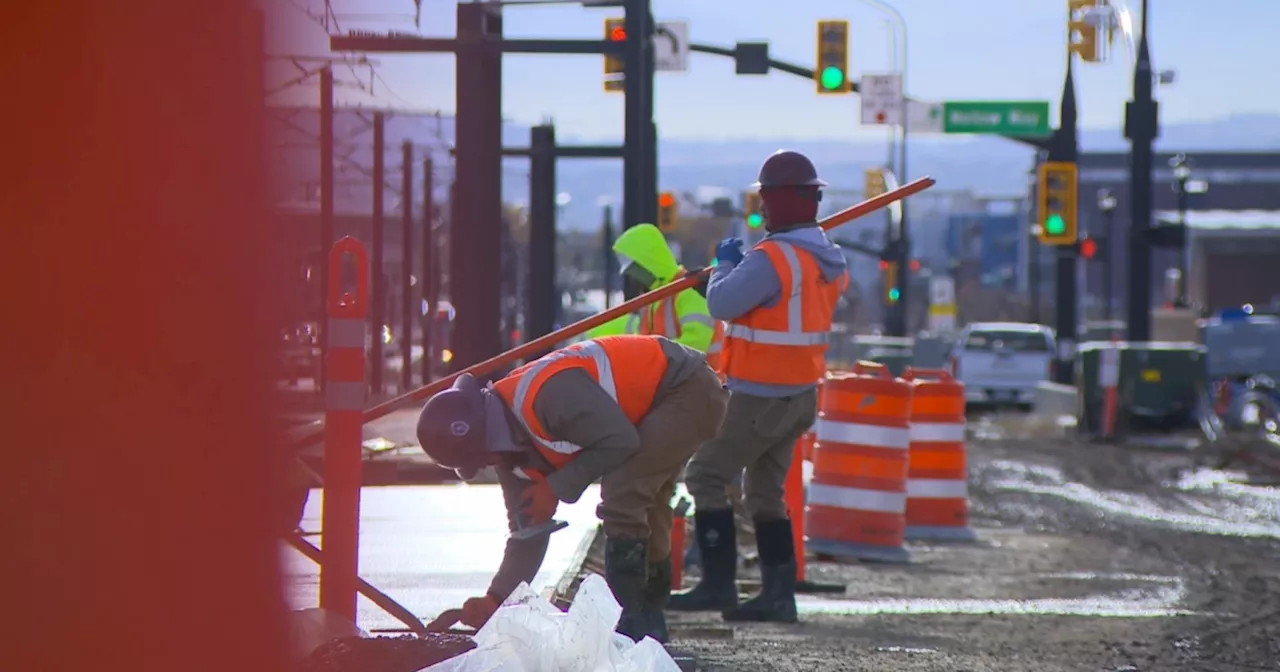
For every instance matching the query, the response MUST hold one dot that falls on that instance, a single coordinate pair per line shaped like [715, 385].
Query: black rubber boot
[656, 596]
[626, 568]
[718, 544]
[776, 602]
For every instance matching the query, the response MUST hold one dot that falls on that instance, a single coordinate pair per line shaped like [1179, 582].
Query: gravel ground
[1091, 557]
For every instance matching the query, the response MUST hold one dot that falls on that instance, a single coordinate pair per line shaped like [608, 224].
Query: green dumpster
[1159, 385]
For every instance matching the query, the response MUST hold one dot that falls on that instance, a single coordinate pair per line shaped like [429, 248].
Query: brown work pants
[759, 434]
[635, 499]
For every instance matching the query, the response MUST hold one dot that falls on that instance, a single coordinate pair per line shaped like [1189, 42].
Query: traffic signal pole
[640, 161]
[1141, 127]
[541, 315]
[1065, 148]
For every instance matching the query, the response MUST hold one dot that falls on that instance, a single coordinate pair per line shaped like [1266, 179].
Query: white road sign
[671, 46]
[923, 117]
[942, 291]
[881, 99]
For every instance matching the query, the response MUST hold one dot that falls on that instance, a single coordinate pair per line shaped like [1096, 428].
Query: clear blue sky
[1223, 53]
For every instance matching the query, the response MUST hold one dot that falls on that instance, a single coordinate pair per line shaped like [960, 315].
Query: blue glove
[729, 251]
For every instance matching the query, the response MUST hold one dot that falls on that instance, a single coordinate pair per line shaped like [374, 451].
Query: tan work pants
[635, 499]
[759, 434]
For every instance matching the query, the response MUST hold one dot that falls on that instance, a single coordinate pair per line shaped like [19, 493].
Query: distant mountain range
[987, 166]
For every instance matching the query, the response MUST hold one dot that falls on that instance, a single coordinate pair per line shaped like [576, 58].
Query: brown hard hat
[451, 428]
[787, 168]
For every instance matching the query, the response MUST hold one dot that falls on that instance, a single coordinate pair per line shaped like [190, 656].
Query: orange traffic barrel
[858, 495]
[937, 474]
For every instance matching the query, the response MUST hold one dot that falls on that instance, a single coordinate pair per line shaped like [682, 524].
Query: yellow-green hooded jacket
[645, 246]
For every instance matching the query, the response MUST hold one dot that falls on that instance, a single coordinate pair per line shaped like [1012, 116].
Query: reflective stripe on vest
[604, 369]
[665, 324]
[795, 333]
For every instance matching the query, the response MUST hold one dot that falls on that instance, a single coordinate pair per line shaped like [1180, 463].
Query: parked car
[1000, 363]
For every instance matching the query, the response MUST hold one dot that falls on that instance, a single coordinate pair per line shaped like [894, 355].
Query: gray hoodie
[736, 289]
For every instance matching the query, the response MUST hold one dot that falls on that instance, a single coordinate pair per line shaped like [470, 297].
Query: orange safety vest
[660, 320]
[629, 369]
[787, 343]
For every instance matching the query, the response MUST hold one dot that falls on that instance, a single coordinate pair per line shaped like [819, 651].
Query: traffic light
[755, 214]
[1082, 34]
[667, 211]
[873, 182]
[889, 279]
[1056, 199]
[1088, 248]
[614, 66]
[832, 72]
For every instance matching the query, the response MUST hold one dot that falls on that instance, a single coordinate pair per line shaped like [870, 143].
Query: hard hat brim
[815, 182]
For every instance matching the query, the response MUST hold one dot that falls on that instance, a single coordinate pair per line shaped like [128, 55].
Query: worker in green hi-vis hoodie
[647, 264]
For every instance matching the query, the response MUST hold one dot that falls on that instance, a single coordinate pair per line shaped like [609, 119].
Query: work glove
[477, 611]
[537, 503]
[729, 251]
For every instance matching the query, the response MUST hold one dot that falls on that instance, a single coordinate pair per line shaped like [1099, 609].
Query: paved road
[431, 547]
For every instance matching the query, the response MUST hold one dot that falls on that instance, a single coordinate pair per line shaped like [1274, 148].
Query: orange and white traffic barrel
[858, 495]
[937, 473]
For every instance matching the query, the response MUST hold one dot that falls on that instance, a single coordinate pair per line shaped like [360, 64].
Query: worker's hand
[537, 503]
[729, 251]
[477, 611]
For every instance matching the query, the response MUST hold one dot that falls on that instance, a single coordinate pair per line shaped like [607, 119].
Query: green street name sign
[998, 117]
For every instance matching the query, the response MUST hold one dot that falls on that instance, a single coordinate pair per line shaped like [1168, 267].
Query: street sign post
[881, 100]
[671, 46]
[942, 304]
[1025, 118]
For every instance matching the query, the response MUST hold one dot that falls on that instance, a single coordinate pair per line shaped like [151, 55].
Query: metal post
[610, 262]
[406, 266]
[639, 181]
[428, 270]
[1033, 278]
[1141, 127]
[378, 303]
[1183, 261]
[1107, 204]
[541, 315]
[326, 211]
[476, 212]
[1066, 147]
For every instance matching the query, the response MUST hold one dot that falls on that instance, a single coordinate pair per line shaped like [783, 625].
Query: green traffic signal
[754, 220]
[831, 78]
[1055, 225]
[894, 294]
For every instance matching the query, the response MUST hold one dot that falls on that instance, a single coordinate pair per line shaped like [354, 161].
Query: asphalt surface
[432, 547]
[1091, 557]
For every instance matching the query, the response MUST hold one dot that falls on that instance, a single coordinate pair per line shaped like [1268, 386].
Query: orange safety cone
[858, 496]
[793, 495]
[937, 475]
[677, 543]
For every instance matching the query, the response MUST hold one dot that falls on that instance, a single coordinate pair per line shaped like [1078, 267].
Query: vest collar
[502, 435]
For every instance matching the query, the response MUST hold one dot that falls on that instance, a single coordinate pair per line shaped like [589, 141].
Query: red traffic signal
[884, 265]
[915, 265]
[1088, 248]
[618, 34]
[666, 200]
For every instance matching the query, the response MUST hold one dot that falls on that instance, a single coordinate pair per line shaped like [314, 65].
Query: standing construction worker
[647, 264]
[778, 299]
[626, 410]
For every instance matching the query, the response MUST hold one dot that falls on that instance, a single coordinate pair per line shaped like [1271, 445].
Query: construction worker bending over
[625, 410]
[647, 263]
[779, 299]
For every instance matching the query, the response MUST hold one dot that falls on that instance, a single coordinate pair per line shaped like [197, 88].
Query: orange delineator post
[343, 428]
[544, 343]
[858, 495]
[937, 473]
[677, 549]
[793, 497]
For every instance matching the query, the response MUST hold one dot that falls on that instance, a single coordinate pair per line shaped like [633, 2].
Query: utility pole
[639, 163]
[1065, 148]
[326, 215]
[428, 270]
[378, 297]
[543, 298]
[406, 267]
[1141, 127]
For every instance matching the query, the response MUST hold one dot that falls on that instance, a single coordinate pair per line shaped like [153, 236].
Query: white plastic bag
[528, 634]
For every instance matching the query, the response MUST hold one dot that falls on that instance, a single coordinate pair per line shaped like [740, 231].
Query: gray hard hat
[787, 168]
[451, 428]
